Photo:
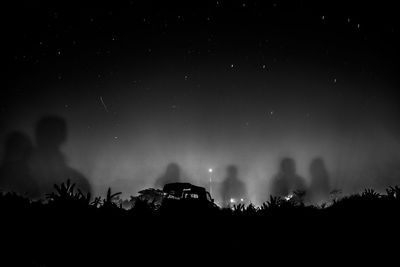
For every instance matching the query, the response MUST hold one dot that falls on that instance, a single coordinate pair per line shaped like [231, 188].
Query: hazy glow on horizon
[130, 150]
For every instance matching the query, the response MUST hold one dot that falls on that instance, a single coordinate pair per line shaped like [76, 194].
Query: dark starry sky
[208, 83]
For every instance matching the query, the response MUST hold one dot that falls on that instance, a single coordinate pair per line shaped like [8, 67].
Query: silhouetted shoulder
[15, 173]
[48, 163]
[81, 181]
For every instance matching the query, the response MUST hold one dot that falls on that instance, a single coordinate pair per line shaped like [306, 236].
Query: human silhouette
[15, 174]
[232, 188]
[320, 185]
[287, 180]
[172, 175]
[48, 163]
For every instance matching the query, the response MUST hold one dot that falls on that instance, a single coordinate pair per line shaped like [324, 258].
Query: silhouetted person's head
[232, 171]
[18, 147]
[51, 132]
[288, 166]
[317, 168]
[171, 175]
[173, 170]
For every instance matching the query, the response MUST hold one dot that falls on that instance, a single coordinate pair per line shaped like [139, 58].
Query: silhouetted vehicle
[176, 194]
[187, 197]
[188, 192]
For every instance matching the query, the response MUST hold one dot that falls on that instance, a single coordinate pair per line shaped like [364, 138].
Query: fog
[129, 145]
[354, 160]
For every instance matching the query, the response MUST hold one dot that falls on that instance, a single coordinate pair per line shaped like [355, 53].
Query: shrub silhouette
[112, 201]
[370, 194]
[69, 215]
[393, 193]
[272, 203]
[67, 197]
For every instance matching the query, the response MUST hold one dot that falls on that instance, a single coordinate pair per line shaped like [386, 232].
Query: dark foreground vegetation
[70, 228]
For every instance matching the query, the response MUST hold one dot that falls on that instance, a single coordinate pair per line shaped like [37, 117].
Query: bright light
[210, 170]
[288, 197]
[233, 200]
[241, 199]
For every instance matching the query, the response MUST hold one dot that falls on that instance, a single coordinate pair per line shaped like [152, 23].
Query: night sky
[206, 84]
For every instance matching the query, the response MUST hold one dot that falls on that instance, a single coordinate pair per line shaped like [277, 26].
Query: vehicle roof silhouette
[179, 187]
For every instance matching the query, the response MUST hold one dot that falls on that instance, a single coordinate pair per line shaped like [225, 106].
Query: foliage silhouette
[393, 192]
[112, 200]
[67, 195]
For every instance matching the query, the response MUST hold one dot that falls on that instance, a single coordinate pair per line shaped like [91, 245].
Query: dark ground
[70, 230]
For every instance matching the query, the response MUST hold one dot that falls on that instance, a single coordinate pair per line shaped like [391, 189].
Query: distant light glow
[232, 200]
[288, 197]
[210, 170]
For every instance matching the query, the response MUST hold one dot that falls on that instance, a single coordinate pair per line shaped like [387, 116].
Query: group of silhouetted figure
[32, 168]
[285, 183]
